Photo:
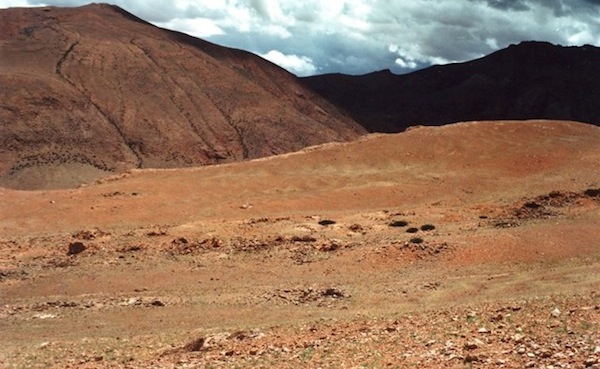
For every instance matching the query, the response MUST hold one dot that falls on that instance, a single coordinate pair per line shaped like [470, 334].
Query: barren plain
[469, 245]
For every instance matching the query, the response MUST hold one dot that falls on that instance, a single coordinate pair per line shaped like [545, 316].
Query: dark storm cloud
[509, 4]
[359, 36]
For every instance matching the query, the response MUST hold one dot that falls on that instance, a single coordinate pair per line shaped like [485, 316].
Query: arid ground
[468, 245]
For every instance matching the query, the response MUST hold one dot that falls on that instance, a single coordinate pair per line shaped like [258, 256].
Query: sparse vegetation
[427, 227]
[412, 230]
[416, 240]
[326, 222]
[398, 223]
[357, 228]
[58, 158]
[592, 192]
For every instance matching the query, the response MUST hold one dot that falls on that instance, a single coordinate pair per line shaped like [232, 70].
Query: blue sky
[359, 36]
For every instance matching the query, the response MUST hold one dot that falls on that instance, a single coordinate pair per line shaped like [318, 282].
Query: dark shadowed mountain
[90, 91]
[531, 80]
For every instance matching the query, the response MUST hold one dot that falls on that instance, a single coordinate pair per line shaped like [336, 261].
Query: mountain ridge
[101, 91]
[531, 80]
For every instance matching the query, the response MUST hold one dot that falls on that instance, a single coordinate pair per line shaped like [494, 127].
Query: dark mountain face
[90, 91]
[532, 80]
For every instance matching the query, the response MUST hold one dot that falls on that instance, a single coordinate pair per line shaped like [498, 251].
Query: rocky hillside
[532, 80]
[90, 91]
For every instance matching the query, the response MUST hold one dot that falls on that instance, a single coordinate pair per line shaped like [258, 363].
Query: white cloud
[405, 64]
[299, 65]
[197, 27]
[276, 30]
[492, 43]
[271, 11]
[13, 3]
[580, 33]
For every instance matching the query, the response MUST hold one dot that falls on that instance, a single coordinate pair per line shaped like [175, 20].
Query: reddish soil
[303, 259]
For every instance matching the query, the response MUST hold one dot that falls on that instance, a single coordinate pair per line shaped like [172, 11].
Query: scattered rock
[471, 358]
[555, 313]
[157, 303]
[212, 242]
[497, 318]
[180, 241]
[309, 295]
[473, 344]
[76, 248]
[133, 248]
[506, 224]
[518, 338]
[333, 292]
[432, 285]
[133, 301]
[114, 194]
[84, 235]
[332, 245]
[157, 233]
[590, 361]
[45, 316]
[532, 205]
[357, 228]
[195, 345]
[305, 238]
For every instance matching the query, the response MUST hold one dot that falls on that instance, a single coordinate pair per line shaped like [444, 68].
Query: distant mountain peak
[529, 80]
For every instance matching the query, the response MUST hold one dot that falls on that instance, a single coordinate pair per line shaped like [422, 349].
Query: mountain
[94, 90]
[532, 80]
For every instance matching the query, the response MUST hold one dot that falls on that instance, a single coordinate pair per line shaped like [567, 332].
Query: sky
[309, 37]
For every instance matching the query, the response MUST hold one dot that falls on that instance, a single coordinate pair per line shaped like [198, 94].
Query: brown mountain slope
[532, 80]
[92, 90]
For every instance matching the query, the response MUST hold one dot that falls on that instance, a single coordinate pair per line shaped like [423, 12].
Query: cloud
[197, 27]
[299, 65]
[509, 4]
[355, 36]
[14, 3]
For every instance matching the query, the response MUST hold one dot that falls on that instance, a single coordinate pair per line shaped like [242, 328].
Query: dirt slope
[531, 80]
[468, 245]
[448, 165]
[94, 90]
